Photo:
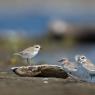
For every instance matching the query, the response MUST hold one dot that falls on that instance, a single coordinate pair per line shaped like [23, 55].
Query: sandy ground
[14, 85]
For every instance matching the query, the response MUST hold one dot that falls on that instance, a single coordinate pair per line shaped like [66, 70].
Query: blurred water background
[63, 28]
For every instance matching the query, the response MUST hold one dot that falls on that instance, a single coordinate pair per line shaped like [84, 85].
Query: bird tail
[17, 54]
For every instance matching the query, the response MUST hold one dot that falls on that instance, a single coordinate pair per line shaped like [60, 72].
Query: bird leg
[28, 61]
[92, 75]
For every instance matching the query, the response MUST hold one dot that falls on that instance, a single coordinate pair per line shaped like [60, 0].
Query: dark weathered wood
[40, 71]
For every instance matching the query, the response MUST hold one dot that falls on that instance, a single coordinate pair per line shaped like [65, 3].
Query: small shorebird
[70, 66]
[29, 53]
[86, 63]
[74, 69]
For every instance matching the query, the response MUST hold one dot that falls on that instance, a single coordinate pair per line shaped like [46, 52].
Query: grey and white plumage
[68, 65]
[74, 70]
[29, 53]
[86, 64]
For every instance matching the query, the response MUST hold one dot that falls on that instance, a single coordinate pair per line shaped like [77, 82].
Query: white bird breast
[30, 55]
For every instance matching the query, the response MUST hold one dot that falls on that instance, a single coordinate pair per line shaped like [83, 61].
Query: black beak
[60, 60]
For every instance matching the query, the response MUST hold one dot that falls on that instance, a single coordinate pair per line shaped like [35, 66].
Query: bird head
[37, 47]
[80, 59]
[63, 60]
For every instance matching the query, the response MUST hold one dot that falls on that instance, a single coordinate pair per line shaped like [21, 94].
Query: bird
[74, 70]
[68, 65]
[86, 64]
[29, 53]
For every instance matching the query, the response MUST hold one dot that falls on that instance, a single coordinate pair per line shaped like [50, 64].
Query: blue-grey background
[24, 23]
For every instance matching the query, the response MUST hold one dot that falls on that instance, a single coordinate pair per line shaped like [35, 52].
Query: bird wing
[89, 62]
[24, 54]
[90, 67]
[28, 50]
[71, 67]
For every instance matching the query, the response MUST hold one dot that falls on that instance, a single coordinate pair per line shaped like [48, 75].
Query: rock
[40, 71]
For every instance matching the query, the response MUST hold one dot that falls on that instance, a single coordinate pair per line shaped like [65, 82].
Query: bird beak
[60, 60]
[14, 68]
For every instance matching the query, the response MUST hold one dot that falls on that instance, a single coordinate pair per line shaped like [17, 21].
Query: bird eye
[82, 57]
[64, 59]
[61, 60]
[37, 47]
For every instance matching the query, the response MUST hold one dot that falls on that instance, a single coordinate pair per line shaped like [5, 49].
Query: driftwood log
[40, 71]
